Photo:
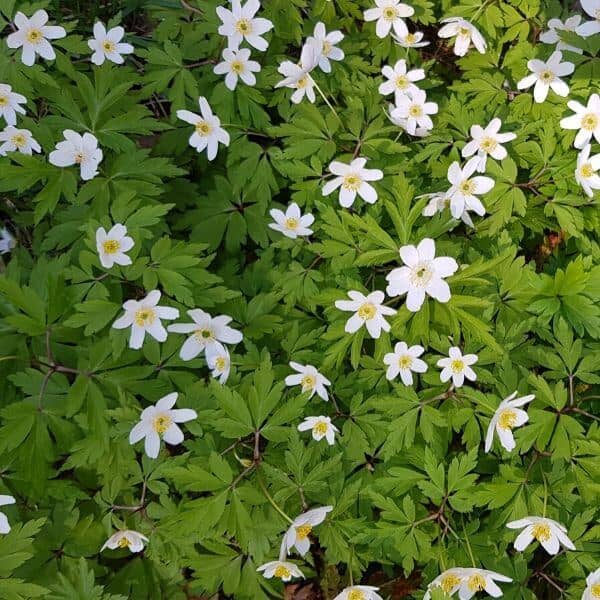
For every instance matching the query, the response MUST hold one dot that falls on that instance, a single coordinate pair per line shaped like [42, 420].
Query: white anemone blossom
[310, 379]
[10, 104]
[79, 150]
[297, 535]
[555, 26]
[549, 533]
[422, 275]
[547, 75]
[240, 23]
[326, 46]
[113, 246]
[400, 81]
[32, 36]
[404, 361]
[411, 40]
[592, 586]
[508, 415]
[292, 223]
[359, 592]
[208, 131]
[389, 14]
[321, 427]
[18, 140]
[368, 311]
[4, 501]
[297, 76]
[160, 421]
[592, 8]
[107, 45]
[281, 569]
[457, 366]
[449, 581]
[219, 362]
[586, 119]
[586, 173]
[465, 33]
[486, 142]
[236, 65]
[414, 111]
[144, 316]
[352, 179]
[7, 241]
[126, 538]
[480, 580]
[465, 189]
[438, 203]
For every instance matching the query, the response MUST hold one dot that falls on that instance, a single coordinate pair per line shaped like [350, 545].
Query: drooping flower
[586, 119]
[7, 241]
[281, 569]
[415, 110]
[592, 586]
[507, 416]
[476, 580]
[465, 33]
[219, 362]
[240, 24]
[79, 150]
[552, 36]
[18, 140]
[465, 188]
[297, 535]
[400, 82]
[144, 316]
[486, 142]
[403, 123]
[4, 524]
[388, 14]
[438, 203]
[325, 44]
[592, 8]
[292, 223]
[321, 427]
[112, 246]
[549, 533]
[237, 65]
[368, 311]
[310, 379]
[449, 581]
[206, 332]
[422, 274]
[126, 538]
[404, 361]
[586, 172]
[410, 40]
[32, 35]
[107, 45]
[297, 76]
[457, 367]
[547, 75]
[208, 131]
[359, 592]
[10, 104]
[160, 420]
[352, 180]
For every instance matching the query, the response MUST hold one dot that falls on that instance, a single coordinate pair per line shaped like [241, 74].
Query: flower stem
[468, 544]
[325, 99]
[545, 494]
[270, 499]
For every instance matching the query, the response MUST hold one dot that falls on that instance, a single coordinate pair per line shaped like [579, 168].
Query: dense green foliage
[412, 489]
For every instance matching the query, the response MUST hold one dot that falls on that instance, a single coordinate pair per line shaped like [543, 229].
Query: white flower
[237, 64]
[33, 35]
[416, 110]
[404, 360]
[411, 40]
[145, 316]
[554, 26]
[507, 416]
[325, 44]
[586, 119]
[592, 8]
[291, 222]
[240, 24]
[4, 500]
[218, 361]
[310, 379]
[457, 367]
[297, 76]
[352, 179]
[10, 104]
[586, 172]
[206, 332]
[400, 81]
[321, 427]
[422, 274]
[281, 569]
[107, 45]
[208, 131]
[438, 203]
[465, 33]
[7, 241]
[592, 589]
[449, 581]
[548, 532]
[297, 534]
[359, 592]
[487, 141]
[388, 14]
[112, 246]
[465, 188]
[403, 123]
[475, 580]
[79, 150]
[161, 420]
[127, 538]
[546, 75]
[18, 140]
[368, 311]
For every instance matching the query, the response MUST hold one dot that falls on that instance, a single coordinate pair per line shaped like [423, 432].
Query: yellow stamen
[352, 182]
[302, 531]
[302, 82]
[467, 187]
[507, 419]
[415, 111]
[405, 361]
[111, 246]
[124, 542]
[390, 13]
[220, 363]
[464, 31]
[410, 38]
[326, 48]
[457, 366]
[488, 144]
[547, 76]
[292, 223]
[402, 82]
[586, 170]
[79, 158]
[308, 382]
[203, 128]
[356, 595]
[476, 582]
[367, 311]
[320, 427]
[108, 46]
[590, 122]
[202, 335]
[18, 140]
[144, 317]
[282, 572]
[449, 582]
[3, 100]
[237, 66]
[162, 423]
[34, 36]
[595, 589]
[541, 532]
[243, 26]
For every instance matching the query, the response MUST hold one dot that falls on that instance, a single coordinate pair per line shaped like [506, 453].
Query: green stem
[270, 499]
[545, 494]
[325, 99]
[468, 544]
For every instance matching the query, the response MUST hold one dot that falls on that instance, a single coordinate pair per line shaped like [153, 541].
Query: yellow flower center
[320, 428]
[586, 170]
[595, 589]
[457, 366]
[243, 26]
[402, 82]
[326, 48]
[282, 572]
[237, 66]
[302, 531]
[488, 144]
[415, 110]
[162, 423]
[367, 311]
[476, 582]
[405, 361]
[144, 317]
[302, 82]
[449, 582]
[3, 100]
[547, 76]
[203, 128]
[390, 13]
[79, 158]
[18, 140]
[590, 122]
[421, 275]
[124, 542]
[352, 182]
[356, 595]
[464, 31]
[541, 532]
[410, 38]
[292, 223]
[203, 335]
[507, 419]
[111, 246]
[108, 46]
[308, 382]
[467, 187]
[34, 36]
[220, 363]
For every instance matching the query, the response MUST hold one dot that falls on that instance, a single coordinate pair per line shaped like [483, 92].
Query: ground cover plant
[299, 299]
